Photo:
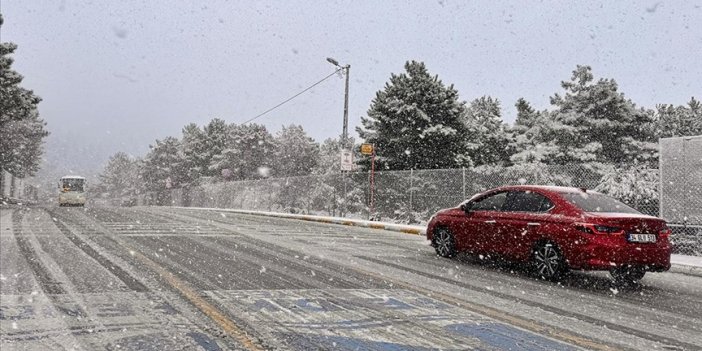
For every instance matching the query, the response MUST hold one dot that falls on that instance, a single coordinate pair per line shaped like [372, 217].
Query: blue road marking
[343, 343]
[204, 341]
[505, 337]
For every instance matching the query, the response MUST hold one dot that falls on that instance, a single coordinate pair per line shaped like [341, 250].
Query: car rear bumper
[598, 256]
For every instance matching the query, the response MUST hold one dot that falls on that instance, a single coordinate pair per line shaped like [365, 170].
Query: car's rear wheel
[444, 243]
[548, 261]
[626, 275]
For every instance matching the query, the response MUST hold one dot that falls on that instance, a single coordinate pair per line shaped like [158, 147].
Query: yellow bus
[72, 191]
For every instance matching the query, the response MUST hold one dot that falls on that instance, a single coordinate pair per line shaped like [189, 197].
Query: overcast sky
[115, 75]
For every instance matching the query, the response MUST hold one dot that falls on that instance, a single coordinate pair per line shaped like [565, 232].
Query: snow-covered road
[187, 279]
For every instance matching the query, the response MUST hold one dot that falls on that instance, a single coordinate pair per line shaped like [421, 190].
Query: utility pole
[344, 144]
[345, 132]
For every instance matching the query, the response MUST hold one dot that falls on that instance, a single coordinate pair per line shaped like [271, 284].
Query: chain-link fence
[687, 239]
[413, 196]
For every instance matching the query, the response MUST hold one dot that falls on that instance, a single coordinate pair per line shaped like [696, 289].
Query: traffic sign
[347, 160]
[367, 149]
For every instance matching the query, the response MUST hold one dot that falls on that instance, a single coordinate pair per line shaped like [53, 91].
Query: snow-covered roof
[72, 177]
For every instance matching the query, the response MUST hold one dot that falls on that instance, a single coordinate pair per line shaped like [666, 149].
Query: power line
[294, 96]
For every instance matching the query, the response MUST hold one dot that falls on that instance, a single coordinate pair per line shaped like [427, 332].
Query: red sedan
[555, 229]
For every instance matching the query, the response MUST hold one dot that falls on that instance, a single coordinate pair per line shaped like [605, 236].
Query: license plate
[642, 238]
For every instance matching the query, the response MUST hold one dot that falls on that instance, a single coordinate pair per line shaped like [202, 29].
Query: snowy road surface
[181, 279]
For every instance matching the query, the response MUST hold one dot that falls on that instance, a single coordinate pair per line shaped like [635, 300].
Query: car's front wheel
[548, 261]
[626, 275]
[444, 243]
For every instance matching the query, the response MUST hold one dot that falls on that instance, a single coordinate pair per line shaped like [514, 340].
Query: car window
[490, 203]
[526, 201]
[595, 202]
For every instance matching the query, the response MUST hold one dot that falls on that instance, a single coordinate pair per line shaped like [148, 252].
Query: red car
[555, 229]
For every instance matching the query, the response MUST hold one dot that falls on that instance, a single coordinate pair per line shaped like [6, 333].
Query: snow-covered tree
[195, 153]
[676, 121]
[488, 141]
[120, 177]
[217, 138]
[21, 129]
[534, 135]
[329, 160]
[598, 123]
[248, 152]
[636, 186]
[163, 165]
[416, 122]
[296, 153]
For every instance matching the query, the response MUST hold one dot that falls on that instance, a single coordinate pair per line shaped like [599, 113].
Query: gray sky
[118, 74]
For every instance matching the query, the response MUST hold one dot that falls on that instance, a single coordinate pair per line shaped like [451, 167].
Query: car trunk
[630, 223]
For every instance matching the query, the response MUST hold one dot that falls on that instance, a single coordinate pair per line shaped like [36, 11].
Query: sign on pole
[367, 149]
[347, 160]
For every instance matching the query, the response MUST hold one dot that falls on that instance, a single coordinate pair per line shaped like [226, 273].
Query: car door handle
[491, 222]
[533, 224]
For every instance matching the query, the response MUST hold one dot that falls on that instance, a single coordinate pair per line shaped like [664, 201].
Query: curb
[685, 269]
[401, 228]
[393, 227]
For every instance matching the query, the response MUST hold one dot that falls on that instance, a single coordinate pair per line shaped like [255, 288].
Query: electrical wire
[294, 96]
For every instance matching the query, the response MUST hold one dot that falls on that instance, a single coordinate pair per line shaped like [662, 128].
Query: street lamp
[345, 133]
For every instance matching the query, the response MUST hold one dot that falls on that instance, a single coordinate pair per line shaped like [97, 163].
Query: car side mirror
[466, 207]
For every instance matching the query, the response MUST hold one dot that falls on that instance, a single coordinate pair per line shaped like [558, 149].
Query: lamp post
[345, 133]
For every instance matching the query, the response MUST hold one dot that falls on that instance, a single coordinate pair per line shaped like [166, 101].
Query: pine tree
[248, 152]
[194, 148]
[163, 165]
[216, 140]
[534, 135]
[488, 141]
[597, 123]
[296, 153]
[415, 122]
[526, 115]
[120, 177]
[676, 121]
[21, 129]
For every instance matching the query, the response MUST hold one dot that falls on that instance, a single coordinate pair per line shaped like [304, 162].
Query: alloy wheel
[547, 261]
[444, 243]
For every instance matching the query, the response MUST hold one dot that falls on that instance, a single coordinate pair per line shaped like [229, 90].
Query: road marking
[201, 304]
[556, 333]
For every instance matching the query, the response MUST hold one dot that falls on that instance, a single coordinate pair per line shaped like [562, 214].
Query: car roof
[549, 188]
[72, 177]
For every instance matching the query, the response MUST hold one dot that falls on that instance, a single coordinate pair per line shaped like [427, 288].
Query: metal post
[411, 189]
[372, 185]
[346, 109]
[344, 208]
[464, 183]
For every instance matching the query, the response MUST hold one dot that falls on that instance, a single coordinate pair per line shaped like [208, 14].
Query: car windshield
[293, 175]
[594, 202]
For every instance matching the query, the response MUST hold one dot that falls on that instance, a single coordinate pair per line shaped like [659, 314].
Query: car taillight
[666, 231]
[598, 229]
